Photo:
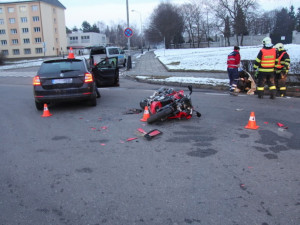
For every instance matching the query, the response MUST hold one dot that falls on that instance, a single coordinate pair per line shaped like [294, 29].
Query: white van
[97, 54]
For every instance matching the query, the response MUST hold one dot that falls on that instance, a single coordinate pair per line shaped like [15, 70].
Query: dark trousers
[264, 77]
[233, 75]
[280, 81]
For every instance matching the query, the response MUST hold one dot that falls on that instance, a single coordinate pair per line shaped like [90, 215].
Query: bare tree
[237, 11]
[188, 13]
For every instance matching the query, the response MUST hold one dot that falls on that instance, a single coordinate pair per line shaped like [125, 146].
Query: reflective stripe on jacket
[233, 59]
[283, 61]
[265, 61]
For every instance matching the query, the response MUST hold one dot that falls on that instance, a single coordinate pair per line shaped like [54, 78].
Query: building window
[1, 11]
[85, 39]
[27, 51]
[2, 31]
[23, 19]
[26, 40]
[34, 8]
[3, 42]
[73, 40]
[35, 18]
[11, 9]
[54, 20]
[22, 8]
[5, 52]
[1, 21]
[13, 31]
[54, 10]
[38, 40]
[15, 41]
[25, 30]
[12, 20]
[37, 29]
[38, 50]
[16, 52]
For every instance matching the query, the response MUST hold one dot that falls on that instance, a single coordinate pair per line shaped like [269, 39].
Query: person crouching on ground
[233, 63]
[265, 64]
[281, 68]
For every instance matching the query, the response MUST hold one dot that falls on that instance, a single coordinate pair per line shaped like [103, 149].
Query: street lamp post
[141, 28]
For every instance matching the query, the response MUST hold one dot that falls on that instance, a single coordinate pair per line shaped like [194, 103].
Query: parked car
[98, 54]
[64, 80]
[73, 80]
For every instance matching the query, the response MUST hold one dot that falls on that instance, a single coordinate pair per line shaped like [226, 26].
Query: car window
[98, 51]
[61, 66]
[108, 63]
[113, 51]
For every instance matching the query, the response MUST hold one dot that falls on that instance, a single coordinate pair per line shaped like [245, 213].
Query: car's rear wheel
[39, 105]
[93, 102]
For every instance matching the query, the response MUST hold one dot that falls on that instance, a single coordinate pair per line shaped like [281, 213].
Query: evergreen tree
[283, 30]
[298, 20]
[86, 27]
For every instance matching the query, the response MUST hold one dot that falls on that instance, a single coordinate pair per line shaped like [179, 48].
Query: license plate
[62, 81]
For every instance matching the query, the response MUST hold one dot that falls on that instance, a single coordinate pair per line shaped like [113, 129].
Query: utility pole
[128, 43]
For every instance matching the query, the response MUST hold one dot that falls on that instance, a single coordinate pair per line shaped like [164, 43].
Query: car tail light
[88, 78]
[36, 81]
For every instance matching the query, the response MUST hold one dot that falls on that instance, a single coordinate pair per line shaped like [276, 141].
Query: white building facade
[80, 41]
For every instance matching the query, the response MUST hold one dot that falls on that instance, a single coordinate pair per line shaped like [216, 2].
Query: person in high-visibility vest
[265, 66]
[281, 69]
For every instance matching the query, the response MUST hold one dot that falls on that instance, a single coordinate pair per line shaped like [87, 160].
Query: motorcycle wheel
[160, 115]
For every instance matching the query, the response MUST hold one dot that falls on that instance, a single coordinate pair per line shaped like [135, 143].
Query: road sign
[128, 32]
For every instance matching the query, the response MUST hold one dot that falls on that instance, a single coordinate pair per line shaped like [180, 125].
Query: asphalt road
[77, 167]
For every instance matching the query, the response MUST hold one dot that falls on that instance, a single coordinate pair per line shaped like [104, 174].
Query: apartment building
[81, 42]
[32, 28]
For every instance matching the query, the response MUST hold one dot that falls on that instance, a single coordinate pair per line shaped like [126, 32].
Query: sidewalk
[147, 68]
[149, 65]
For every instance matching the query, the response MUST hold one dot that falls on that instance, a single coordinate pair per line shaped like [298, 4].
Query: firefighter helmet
[267, 42]
[279, 46]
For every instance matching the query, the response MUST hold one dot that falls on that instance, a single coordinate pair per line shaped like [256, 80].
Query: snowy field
[213, 59]
[197, 59]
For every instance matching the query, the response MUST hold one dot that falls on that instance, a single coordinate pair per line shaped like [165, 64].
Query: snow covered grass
[213, 59]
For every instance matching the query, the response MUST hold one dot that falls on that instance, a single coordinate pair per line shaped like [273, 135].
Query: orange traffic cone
[46, 111]
[252, 124]
[146, 114]
[71, 54]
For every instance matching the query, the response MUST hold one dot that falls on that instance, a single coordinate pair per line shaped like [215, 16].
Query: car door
[106, 72]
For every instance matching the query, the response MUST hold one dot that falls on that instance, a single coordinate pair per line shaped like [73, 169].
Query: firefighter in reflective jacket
[281, 68]
[265, 64]
[233, 63]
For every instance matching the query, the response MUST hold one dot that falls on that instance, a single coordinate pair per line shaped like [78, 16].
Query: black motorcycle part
[160, 115]
[143, 103]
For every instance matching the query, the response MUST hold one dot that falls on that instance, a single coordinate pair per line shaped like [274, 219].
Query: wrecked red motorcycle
[169, 104]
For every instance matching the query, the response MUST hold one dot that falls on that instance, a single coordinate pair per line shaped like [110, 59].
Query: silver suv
[98, 54]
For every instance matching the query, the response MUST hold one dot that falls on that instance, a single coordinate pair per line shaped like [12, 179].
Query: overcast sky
[114, 11]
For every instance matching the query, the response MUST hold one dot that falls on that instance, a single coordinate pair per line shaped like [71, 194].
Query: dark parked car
[73, 80]
[64, 80]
